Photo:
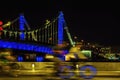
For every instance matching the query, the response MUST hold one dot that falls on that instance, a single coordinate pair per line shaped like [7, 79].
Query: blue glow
[22, 36]
[62, 70]
[20, 58]
[92, 68]
[28, 47]
[39, 59]
[21, 26]
[66, 51]
[62, 58]
[61, 22]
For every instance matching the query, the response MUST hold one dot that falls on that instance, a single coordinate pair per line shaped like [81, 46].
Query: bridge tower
[61, 25]
[21, 26]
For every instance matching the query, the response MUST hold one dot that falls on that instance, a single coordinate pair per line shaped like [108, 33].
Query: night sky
[91, 21]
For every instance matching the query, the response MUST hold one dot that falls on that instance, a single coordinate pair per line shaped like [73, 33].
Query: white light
[77, 66]
[33, 66]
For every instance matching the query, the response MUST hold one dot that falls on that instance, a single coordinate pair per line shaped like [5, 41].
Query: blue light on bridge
[61, 22]
[22, 36]
[28, 47]
[21, 26]
[39, 59]
[20, 58]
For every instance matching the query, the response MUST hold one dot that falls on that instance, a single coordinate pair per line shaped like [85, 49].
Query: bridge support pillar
[21, 26]
[61, 22]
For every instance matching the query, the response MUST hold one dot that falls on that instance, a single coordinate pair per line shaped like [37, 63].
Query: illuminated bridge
[18, 37]
[40, 39]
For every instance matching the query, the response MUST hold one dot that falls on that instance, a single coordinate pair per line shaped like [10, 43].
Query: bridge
[23, 37]
[41, 40]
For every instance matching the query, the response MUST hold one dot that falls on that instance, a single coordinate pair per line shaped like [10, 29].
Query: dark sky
[90, 21]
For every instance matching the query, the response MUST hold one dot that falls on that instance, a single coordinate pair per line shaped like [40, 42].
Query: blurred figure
[58, 50]
[5, 58]
[58, 56]
[75, 54]
[58, 53]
